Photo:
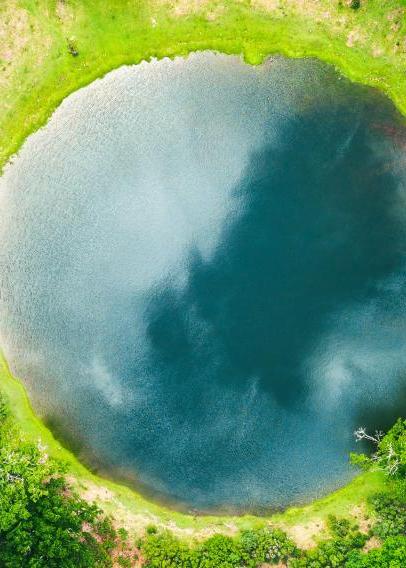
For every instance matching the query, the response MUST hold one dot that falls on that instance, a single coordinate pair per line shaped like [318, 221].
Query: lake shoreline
[254, 34]
[135, 512]
[45, 94]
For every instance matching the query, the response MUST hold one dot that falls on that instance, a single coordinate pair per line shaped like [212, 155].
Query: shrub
[165, 550]
[391, 512]
[265, 545]
[219, 550]
[355, 4]
[43, 523]
[392, 554]
[151, 529]
[250, 549]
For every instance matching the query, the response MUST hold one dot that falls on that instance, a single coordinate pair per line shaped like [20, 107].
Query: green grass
[37, 72]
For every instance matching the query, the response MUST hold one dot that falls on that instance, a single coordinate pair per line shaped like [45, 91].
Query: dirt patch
[182, 8]
[356, 36]
[361, 517]
[372, 543]
[14, 32]
[304, 534]
[396, 15]
[63, 11]
[20, 40]
[377, 51]
[97, 493]
[267, 5]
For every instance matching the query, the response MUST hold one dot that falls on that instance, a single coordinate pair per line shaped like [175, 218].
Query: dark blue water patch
[205, 288]
[317, 234]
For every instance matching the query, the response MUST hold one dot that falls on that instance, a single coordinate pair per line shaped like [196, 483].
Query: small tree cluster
[251, 548]
[392, 554]
[43, 523]
[390, 509]
[390, 450]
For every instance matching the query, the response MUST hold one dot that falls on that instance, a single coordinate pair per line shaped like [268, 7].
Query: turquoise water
[202, 276]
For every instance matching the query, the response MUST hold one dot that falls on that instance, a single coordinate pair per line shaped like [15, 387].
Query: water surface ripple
[202, 276]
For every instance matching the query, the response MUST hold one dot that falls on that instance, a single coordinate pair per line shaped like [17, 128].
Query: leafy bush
[391, 453]
[265, 545]
[249, 549]
[392, 555]
[164, 550]
[391, 512]
[355, 4]
[219, 550]
[42, 522]
[151, 529]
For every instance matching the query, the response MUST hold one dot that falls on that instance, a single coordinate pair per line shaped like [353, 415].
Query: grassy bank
[50, 48]
[135, 513]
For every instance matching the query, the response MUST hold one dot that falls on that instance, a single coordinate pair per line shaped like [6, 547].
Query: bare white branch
[362, 434]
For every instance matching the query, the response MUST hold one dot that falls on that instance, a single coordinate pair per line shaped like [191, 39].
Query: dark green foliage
[42, 522]
[391, 512]
[355, 4]
[165, 551]
[391, 555]
[219, 550]
[392, 451]
[53, 533]
[253, 548]
[250, 549]
[265, 545]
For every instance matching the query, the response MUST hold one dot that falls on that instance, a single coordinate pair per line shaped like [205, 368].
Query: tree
[390, 453]
[43, 523]
[219, 550]
[392, 554]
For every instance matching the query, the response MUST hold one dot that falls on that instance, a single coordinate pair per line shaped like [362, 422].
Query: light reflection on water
[202, 276]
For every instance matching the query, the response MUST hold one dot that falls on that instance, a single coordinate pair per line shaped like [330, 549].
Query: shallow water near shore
[202, 276]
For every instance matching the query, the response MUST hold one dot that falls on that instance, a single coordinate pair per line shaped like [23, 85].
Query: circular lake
[202, 276]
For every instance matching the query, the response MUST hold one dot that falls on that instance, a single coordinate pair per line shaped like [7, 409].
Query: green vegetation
[133, 511]
[344, 545]
[50, 48]
[391, 554]
[390, 455]
[251, 548]
[43, 523]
